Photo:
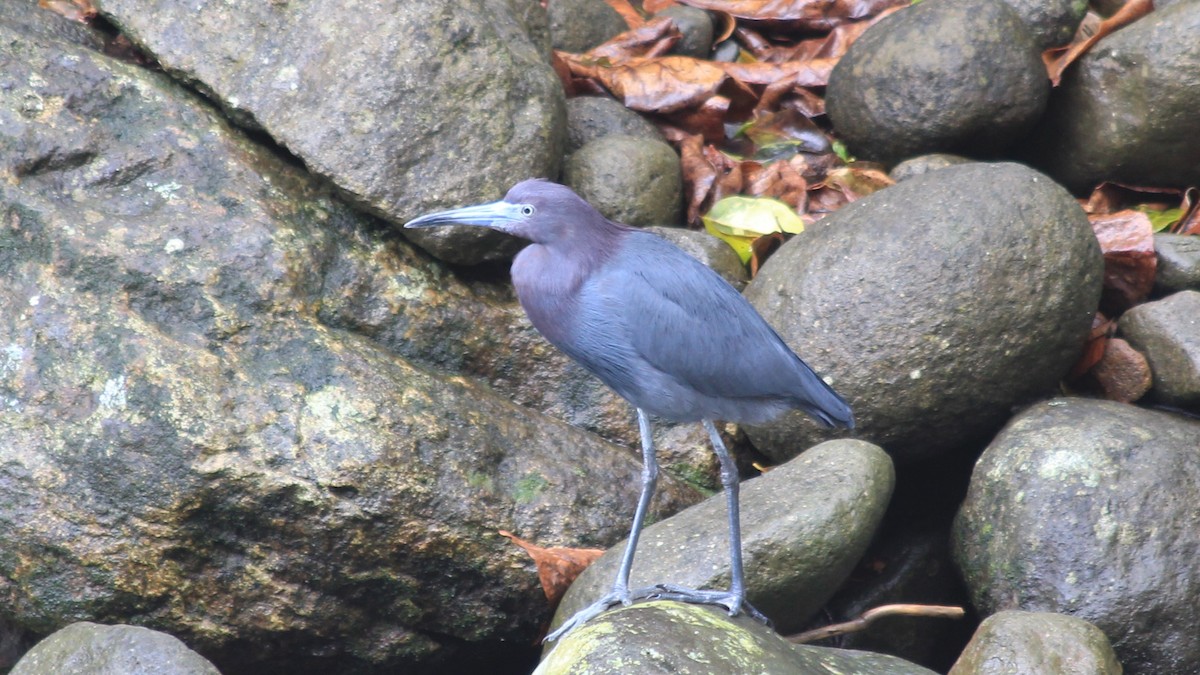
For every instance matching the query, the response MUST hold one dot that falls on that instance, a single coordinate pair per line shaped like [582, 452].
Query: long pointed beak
[496, 215]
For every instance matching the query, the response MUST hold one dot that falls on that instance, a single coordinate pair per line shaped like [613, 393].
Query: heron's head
[537, 210]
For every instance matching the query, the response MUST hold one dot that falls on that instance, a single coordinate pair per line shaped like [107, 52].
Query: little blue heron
[660, 328]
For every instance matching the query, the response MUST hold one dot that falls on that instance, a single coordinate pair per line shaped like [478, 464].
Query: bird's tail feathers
[823, 404]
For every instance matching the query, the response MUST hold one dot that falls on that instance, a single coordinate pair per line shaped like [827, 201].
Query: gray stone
[631, 180]
[592, 117]
[961, 76]
[209, 421]
[696, 26]
[1020, 643]
[578, 25]
[1052, 22]
[94, 649]
[1125, 112]
[1178, 262]
[405, 108]
[934, 306]
[1167, 332]
[1088, 508]
[923, 164]
[804, 526]
[661, 638]
[716, 254]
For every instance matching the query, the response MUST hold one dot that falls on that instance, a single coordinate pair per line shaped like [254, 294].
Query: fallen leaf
[662, 85]
[739, 221]
[651, 39]
[857, 181]
[76, 10]
[632, 17]
[798, 15]
[1093, 349]
[557, 566]
[1058, 58]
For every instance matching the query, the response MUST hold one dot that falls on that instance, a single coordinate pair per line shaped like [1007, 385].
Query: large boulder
[86, 647]
[665, 638]
[405, 108]
[961, 76]
[1126, 111]
[1089, 508]
[804, 526]
[195, 436]
[934, 306]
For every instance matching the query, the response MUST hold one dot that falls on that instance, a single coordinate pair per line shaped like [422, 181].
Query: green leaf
[839, 149]
[1161, 220]
[739, 220]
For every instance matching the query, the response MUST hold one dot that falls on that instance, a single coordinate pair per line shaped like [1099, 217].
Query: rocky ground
[249, 427]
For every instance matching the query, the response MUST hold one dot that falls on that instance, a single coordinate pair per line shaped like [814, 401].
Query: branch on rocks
[869, 616]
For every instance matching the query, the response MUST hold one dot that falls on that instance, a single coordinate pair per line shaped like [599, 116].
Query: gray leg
[734, 599]
[731, 481]
[649, 482]
[620, 594]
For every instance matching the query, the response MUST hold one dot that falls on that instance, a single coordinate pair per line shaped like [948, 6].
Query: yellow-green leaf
[1161, 220]
[739, 220]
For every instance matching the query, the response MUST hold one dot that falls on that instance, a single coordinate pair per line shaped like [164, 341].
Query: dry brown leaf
[792, 15]
[557, 566]
[632, 17]
[1127, 240]
[661, 85]
[855, 182]
[76, 10]
[1058, 58]
[654, 38]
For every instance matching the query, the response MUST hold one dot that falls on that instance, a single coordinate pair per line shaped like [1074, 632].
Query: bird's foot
[615, 597]
[734, 603]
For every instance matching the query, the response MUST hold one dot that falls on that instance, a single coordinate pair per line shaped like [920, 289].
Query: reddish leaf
[1127, 240]
[1058, 58]
[1093, 350]
[1190, 222]
[557, 566]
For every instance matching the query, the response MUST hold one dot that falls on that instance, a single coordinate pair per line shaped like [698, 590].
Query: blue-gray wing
[685, 322]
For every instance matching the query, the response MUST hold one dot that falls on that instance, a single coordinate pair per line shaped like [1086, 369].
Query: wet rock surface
[890, 299]
[86, 647]
[804, 526]
[244, 472]
[1008, 643]
[465, 82]
[1123, 108]
[941, 76]
[1085, 508]
[668, 637]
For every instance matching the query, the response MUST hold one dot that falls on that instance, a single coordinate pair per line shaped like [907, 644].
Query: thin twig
[869, 616]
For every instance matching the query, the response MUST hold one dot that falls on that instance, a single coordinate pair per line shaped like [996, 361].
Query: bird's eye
[526, 210]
